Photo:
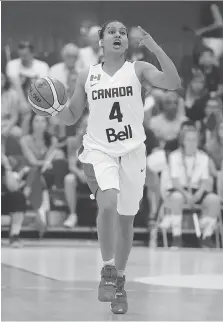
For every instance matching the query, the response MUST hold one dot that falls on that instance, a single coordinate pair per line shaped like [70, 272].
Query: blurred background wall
[49, 25]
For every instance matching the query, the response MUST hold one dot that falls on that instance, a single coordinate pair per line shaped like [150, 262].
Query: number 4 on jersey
[116, 112]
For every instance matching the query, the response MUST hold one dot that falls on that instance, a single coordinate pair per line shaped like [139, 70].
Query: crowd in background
[40, 167]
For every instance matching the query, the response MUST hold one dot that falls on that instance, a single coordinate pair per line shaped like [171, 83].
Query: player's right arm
[73, 111]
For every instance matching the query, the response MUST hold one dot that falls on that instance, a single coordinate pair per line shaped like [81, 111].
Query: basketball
[47, 96]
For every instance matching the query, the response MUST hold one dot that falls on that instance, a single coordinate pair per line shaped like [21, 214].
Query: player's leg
[132, 180]
[107, 208]
[17, 204]
[211, 204]
[102, 173]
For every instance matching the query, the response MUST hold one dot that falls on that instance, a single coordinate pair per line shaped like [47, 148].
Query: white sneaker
[71, 221]
[166, 222]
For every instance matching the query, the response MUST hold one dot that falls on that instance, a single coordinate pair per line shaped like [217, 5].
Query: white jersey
[115, 123]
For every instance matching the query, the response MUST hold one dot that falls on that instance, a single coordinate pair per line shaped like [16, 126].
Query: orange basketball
[47, 96]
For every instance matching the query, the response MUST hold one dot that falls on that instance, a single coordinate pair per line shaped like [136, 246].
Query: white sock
[176, 221]
[210, 225]
[111, 262]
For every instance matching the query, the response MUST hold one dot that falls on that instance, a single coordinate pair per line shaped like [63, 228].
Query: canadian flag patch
[95, 78]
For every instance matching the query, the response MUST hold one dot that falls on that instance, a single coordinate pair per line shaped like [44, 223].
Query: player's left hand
[148, 41]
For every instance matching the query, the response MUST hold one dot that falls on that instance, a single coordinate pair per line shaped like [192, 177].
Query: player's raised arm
[168, 78]
[73, 111]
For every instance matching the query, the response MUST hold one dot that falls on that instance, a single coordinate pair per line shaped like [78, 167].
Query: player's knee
[126, 223]
[212, 201]
[107, 201]
[16, 132]
[176, 198]
[70, 180]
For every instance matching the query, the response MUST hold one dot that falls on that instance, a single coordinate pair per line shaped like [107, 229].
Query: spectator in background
[66, 72]
[153, 104]
[207, 63]
[214, 145]
[190, 180]
[9, 109]
[212, 32]
[21, 72]
[86, 25]
[213, 113]
[39, 149]
[12, 197]
[166, 125]
[92, 54]
[195, 98]
[137, 53]
[76, 175]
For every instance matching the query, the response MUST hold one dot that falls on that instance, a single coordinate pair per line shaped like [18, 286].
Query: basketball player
[113, 152]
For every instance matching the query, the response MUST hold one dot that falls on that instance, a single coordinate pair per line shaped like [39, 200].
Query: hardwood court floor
[58, 280]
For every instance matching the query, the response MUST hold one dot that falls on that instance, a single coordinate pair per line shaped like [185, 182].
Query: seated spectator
[12, 197]
[39, 149]
[214, 145]
[213, 113]
[76, 175]
[9, 109]
[220, 183]
[137, 53]
[208, 64]
[92, 54]
[67, 70]
[166, 125]
[189, 183]
[195, 98]
[86, 24]
[153, 103]
[21, 72]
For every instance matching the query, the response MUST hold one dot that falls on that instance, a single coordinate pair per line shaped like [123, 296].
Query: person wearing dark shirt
[212, 31]
[196, 96]
[209, 66]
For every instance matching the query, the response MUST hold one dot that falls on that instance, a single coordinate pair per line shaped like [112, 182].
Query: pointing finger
[142, 30]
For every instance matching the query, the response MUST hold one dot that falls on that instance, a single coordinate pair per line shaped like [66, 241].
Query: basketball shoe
[119, 304]
[108, 283]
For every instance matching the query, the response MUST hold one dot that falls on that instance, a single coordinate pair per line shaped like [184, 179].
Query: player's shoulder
[202, 154]
[175, 155]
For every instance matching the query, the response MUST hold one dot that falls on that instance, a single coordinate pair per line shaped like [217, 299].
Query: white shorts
[126, 174]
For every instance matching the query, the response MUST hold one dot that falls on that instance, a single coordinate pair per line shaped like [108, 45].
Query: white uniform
[113, 144]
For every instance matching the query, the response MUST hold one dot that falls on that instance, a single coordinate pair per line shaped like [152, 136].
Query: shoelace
[120, 286]
[108, 274]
